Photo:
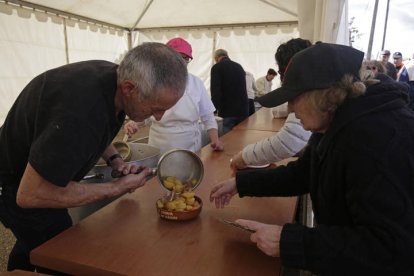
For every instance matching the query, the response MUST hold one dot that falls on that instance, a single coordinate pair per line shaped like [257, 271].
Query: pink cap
[181, 46]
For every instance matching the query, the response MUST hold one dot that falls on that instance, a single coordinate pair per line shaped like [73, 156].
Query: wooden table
[128, 238]
[262, 119]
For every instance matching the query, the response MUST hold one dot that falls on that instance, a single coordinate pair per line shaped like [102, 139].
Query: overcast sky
[400, 27]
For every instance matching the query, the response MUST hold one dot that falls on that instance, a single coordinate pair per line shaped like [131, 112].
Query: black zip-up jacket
[228, 89]
[360, 176]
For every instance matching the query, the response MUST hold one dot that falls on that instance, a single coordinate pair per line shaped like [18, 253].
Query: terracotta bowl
[180, 215]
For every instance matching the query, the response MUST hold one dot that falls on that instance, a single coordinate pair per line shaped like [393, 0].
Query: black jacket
[360, 175]
[228, 89]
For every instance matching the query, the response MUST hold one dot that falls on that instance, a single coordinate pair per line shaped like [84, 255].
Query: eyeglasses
[186, 58]
[371, 68]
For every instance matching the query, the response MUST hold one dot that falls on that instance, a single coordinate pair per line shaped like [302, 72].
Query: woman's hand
[223, 192]
[266, 236]
[237, 162]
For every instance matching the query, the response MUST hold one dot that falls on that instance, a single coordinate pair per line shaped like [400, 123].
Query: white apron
[178, 128]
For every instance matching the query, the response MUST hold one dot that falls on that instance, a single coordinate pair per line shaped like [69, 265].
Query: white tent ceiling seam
[63, 14]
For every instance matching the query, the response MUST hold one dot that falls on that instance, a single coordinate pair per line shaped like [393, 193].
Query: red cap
[181, 46]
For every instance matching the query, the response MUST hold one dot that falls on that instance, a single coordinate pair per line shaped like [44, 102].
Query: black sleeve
[65, 146]
[289, 180]
[215, 88]
[378, 240]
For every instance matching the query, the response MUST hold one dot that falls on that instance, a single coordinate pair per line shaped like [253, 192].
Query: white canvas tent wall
[32, 40]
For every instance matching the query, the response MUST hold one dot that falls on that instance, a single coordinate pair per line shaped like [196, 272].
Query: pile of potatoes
[184, 199]
[183, 202]
[174, 184]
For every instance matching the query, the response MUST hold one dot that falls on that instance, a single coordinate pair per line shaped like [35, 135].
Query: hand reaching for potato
[222, 193]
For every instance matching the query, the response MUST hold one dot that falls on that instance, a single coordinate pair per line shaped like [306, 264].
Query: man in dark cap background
[391, 71]
[402, 74]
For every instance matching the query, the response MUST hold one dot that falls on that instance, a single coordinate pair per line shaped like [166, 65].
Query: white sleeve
[204, 104]
[285, 143]
[209, 121]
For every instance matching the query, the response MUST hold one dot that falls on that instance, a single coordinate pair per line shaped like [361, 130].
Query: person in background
[228, 90]
[291, 138]
[374, 67]
[179, 127]
[251, 91]
[63, 121]
[402, 74]
[410, 70]
[264, 84]
[356, 168]
[390, 68]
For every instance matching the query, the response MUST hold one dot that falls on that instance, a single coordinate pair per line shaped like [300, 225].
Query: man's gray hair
[220, 53]
[153, 67]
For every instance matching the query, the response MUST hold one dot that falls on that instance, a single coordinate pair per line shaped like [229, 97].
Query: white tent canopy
[39, 35]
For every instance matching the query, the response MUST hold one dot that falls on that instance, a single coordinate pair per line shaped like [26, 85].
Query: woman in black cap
[358, 168]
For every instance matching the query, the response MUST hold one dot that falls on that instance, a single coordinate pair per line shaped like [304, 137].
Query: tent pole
[385, 25]
[129, 36]
[371, 36]
[65, 35]
[214, 48]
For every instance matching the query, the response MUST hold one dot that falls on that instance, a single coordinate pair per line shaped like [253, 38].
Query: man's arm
[36, 192]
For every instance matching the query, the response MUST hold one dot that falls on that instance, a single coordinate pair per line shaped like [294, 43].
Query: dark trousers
[252, 108]
[31, 227]
[230, 122]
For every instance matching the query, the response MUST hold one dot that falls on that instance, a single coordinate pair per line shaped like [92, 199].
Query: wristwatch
[112, 158]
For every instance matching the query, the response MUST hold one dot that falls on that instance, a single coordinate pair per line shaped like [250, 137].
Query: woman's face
[311, 119]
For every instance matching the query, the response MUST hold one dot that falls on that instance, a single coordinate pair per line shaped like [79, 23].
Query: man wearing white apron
[179, 126]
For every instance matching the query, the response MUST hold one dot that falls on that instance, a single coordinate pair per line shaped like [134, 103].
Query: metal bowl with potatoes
[179, 172]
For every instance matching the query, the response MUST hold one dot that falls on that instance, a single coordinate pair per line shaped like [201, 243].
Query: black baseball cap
[316, 67]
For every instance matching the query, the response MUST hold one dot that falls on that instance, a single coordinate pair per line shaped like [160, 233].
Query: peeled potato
[178, 188]
[160, 204]
[188, 195]
[169, 184]
[190, 201]
[178, 182]
[170, 205]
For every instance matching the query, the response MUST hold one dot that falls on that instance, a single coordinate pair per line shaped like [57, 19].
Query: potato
[190, 201]
[160, 204]
[181, 205]
[170, 205]
[178, 182]
[169, 184]
[188, 195]
[170, 178]
[178, 188]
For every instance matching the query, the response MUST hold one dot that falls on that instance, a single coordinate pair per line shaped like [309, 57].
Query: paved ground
[7, 241]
